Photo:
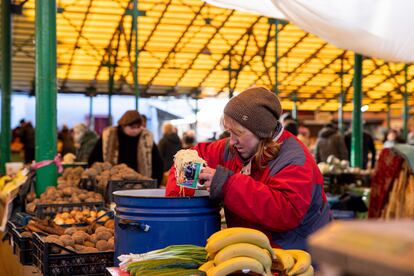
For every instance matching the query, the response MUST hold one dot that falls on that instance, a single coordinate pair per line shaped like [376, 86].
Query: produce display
[9, 184]
[104, 172]
[61, 195]
[172, 260]
[80, 216]
[333, 165]
[71, 176]
[243, 249]
[89, 239]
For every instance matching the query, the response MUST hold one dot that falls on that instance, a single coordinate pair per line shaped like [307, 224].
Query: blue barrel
[146, 220]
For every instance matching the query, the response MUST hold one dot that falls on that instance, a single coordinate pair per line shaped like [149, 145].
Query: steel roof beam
[75, 47]
[166, 60]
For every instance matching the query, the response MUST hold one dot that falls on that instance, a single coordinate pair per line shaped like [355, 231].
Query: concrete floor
[9, 263]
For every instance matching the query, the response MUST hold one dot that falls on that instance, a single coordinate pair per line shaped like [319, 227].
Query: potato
[110, 224]
[67, 240]
[92, 238]
[71, 230]
[26, 234]
[103, 235]
[88, 244]
[89, 250]
[102, 245]
[111, 244]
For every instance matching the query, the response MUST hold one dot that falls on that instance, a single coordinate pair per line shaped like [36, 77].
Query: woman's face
[132, 130]
[242, 139]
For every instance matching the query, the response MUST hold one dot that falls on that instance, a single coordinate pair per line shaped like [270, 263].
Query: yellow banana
[284, 261]
[233, 235]
[302, 261]
[244, 250]
[206, 266]
[308, 272]
[245, 264]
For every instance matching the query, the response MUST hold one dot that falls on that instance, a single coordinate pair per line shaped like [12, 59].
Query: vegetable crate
[22, 246]
[68, 262]
[118, 185]
[45, 210]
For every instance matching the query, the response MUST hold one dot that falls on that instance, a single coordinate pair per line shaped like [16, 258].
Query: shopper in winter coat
[368, 146]
[131, 144]
[169, 144]
[27, 137]
[264, 176]
[85, 141]
[330, 142]
[66, 138]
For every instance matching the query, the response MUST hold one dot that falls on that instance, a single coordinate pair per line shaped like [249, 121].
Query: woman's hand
[206, 176]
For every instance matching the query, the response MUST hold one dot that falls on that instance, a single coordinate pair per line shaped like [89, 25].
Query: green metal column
[276, 88]
[6, 69]
[135, 29]
[356, 142]
[341, 101]
[405, 104]
[295, 107]
[46, 91]
[90, 112]
[230, 78]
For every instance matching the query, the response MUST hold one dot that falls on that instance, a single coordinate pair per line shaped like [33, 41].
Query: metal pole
[91, 112]
[135, 29]
[6, 70]
[111, 70]
[356, 143]
[230, 78]
[276, 88]
[46, 121]
[405, 106]
[341, 101]
[295, 107]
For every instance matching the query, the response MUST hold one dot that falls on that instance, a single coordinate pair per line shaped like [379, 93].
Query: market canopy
[185, 47]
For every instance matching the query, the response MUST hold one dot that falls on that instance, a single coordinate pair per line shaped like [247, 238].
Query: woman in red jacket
[264, 176]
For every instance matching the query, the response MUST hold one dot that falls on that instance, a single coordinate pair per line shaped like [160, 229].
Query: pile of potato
[60, 195]
[80, 216]
[85, 240]
[103, 172]
[71, 176]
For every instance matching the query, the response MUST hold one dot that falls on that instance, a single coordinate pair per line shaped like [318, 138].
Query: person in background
[27, 137]
[368, 146]
[330, 142]
[188, 139]
[144, 120]
[392, 138]
[169, 145]
[85, 141]
[289, 123]
[264, 177]
[304, 136]
[131, 144]
[68, 145]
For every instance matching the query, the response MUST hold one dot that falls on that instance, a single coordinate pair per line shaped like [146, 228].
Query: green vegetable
[140, 266]
[172, 272]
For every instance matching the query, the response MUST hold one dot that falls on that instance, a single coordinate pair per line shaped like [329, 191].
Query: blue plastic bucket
[146, 220]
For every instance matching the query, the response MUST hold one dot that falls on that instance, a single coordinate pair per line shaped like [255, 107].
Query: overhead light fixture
[364, 108]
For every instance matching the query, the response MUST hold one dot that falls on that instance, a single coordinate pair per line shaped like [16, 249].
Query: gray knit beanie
[257, 109]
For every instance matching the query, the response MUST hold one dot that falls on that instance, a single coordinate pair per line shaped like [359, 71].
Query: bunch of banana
[8, 184]
[238, 249]
[293, 262]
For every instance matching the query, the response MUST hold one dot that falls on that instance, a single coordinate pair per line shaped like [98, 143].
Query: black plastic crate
[118, 185]
[69, 262]
[48, 210]
[22, 246]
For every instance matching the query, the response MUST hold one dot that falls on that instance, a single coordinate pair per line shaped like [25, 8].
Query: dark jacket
[285, 200]
[27, 137]
[68, 145]
[127, 153]
[168, 147]
[330, 142]
[86, 146]
[368, 146]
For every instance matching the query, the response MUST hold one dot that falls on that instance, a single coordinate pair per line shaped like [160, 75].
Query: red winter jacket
[285, 200]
